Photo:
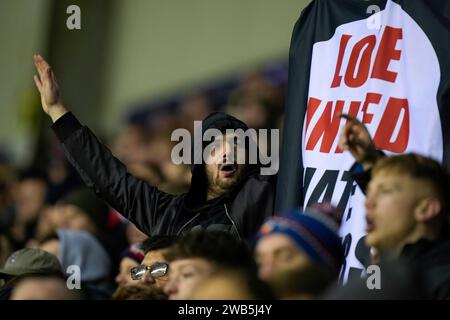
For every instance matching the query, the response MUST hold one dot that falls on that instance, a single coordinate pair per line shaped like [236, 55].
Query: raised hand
[48, 88]
[356, 138]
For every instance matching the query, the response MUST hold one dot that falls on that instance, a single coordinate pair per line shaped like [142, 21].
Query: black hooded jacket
[241, 211]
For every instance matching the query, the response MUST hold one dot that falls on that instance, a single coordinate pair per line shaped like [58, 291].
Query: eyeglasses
[157, 270]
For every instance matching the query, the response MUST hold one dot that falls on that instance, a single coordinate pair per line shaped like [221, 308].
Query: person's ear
[427, 209]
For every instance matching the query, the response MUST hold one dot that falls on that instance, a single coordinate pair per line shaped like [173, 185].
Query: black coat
[154, 212]
[432, 260]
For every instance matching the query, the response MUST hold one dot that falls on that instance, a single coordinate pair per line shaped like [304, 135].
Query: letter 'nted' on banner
[390, 69]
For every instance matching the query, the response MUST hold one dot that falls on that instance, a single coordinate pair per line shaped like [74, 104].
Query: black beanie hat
[222, 121]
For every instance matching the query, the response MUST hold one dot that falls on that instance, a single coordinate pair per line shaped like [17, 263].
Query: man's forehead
[394, 176]
[154, 256]
[226, 136]
[393, 173]
[126, 261]
[71, 209]
[275, 242]
[181, 263]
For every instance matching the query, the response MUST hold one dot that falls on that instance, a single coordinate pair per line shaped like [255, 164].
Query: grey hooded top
[82, 249]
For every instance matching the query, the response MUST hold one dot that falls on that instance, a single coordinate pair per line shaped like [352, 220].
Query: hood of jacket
[197, 194]
[82, 249]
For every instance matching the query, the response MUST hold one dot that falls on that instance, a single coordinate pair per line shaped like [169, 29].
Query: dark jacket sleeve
[362, 177]
[139, 202]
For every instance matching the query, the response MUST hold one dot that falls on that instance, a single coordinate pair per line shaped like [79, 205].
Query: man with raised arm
[232, 197]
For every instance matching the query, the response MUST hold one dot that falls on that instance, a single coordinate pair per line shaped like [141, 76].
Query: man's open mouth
[370, 225]
[228, 170]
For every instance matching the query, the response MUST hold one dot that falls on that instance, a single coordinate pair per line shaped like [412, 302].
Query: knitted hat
[313, 233]
[89, 203]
